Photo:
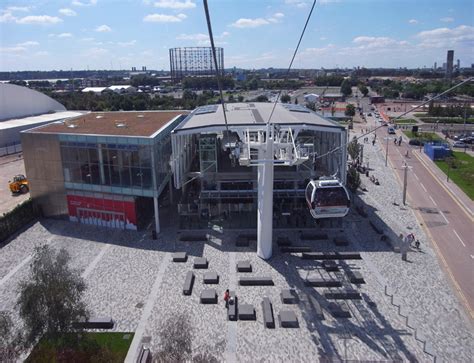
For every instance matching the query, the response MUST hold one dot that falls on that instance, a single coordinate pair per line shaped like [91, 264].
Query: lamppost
[386, 148]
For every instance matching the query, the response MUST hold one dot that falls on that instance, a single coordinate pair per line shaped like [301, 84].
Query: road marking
[416, 177]
[472, 256]
[433, 201]
[457, 235]
[446, 219]
[423, 187]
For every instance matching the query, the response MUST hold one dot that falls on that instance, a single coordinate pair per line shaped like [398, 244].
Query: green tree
[346, 88]
[50, 299]
[240, 98]
[364, 90]
[354, 148]
[176, 337]
[353, 179]
[350, 110]
[8, 347]
[285, 98]
[262, 98]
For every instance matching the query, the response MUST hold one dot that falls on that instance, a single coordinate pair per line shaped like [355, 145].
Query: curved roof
[18, 102]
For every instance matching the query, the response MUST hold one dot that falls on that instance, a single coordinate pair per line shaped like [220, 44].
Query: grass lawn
[425, 136]
[405, 121]
[90, 347]
[462, 173]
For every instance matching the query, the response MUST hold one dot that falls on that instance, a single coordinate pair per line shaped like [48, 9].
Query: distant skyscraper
[449, 64]
[458, 64]
[435, 66]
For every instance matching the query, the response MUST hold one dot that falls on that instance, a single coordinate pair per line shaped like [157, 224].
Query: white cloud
[364, 42]
[80, 3]
[67, 12]
[276, 17]
[95, 52]
[304, 3]
[29, 43]
[7, 17]
[446, 37]
[18, 8]
[198, 37]
[39, 19]
[127, 44]
[65, 35]
[249, 23]
[203, 39]
[413, 21]
[162, 18]
[322, 38]
[12, 50]
[89, 39]
[41, 53]
[103, 29]
[175, 4]
[447, 19]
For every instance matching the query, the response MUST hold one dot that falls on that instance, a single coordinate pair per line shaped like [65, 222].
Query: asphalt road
[10, 166]
[448, 222]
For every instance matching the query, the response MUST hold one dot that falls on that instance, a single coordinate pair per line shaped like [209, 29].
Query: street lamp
[386, 148]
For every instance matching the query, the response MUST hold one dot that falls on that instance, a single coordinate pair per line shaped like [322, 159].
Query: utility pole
[405, 182]
[386, 149]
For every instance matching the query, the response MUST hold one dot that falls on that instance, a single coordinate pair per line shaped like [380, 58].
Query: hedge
[17, 218]
[448, 120]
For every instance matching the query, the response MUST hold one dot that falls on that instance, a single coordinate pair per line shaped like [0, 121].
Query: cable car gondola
[327, 198]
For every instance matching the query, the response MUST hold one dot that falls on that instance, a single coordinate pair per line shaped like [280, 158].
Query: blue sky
[119, 34]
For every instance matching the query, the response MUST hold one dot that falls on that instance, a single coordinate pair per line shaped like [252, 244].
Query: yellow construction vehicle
[19, 185]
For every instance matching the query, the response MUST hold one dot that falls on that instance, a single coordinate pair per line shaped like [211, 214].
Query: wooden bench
[255, 281]
[95, 323]
[268, 319]
[188, 283]
[295, 249]
[316, 282]
[232, 308]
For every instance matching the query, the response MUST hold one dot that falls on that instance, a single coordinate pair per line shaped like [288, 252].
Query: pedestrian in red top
[226, 298]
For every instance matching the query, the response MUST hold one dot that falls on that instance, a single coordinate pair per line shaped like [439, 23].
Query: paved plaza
[132, 279]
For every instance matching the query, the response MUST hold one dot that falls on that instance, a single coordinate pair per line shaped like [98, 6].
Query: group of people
[398, 141]
[374, 180]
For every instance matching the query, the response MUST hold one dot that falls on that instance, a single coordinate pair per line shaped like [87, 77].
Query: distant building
[195, 62]
[458, 64]
[96, 90]
[377, 99]
[122, 89]
[449, 64]
[311, 97]
[332, 97]
[435, 66]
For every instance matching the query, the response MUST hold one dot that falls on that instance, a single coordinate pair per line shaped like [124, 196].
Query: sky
[119, 34]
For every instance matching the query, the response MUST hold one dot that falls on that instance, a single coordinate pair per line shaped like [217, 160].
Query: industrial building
[195, 62]
[107, 169]
[22, 108]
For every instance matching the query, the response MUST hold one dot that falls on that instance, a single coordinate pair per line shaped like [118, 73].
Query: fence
[13, 148]
[17, 218]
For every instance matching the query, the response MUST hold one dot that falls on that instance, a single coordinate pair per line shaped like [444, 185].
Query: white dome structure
[17, 102]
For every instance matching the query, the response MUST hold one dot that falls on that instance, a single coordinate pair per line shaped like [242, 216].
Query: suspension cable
[396, 118]
[219, 84]
[292, 59]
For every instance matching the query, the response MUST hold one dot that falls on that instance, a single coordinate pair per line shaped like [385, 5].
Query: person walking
[226, 298]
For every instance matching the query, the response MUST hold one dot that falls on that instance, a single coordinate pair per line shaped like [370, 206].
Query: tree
[262, 98]
[285, 98]
[8, 347]
[363, 89]
[350, 110]
[176, 338]
[354, 148]
[353, 179]
[240, 98]
[50, 299]
[346, 88]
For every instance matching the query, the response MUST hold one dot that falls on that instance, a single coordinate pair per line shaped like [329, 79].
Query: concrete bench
[313, 236]
[289, 296]
[330, 266]
[339, 311]
[244, 266]
[283, 241]
[267, 310]
[232, 308]
[316, 307]
[95, 323]
[317, 282]
[242, 242]
[200, 262]
[188, 283]
[144, 356]
[342, 295]
[247, 312]
[208, 296]
[193, 238]
[180, 257]
[288, 319]
[255, 281]
[355, 277]
[211, 277]
[295, 249]
[341, 241]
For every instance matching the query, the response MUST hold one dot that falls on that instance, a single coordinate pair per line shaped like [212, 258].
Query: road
[448, 222]
[10, 166]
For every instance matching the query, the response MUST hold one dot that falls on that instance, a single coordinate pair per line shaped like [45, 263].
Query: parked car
[416, 142]
[459, 144]
[468, 140]
[391, 130]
